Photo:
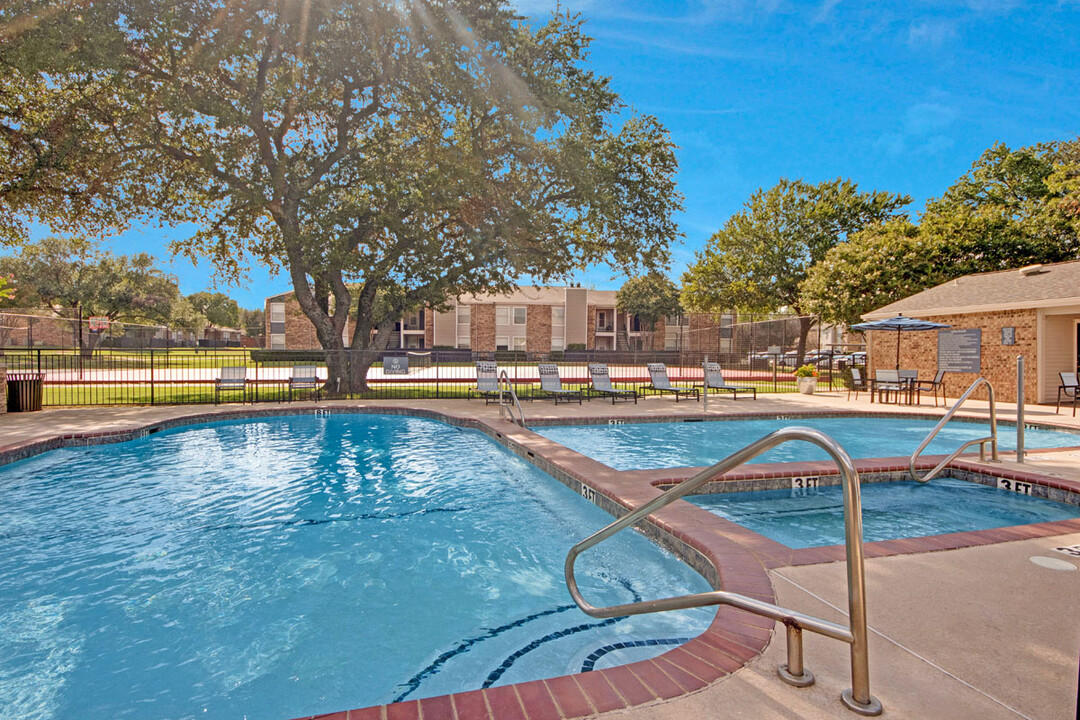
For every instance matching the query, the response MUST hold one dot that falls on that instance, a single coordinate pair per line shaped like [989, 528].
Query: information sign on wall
[395, 366]
[1008, 336]
[959, 350]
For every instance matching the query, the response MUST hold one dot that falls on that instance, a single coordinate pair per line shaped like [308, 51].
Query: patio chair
[858, 383]
[231, 378]
[601, 384]
[714, 380]
[487, 382]
[885, 382]
[931, 386]
[305, 377]
[551, 385]
[908, 378]
[1070, 387]
[661, 384]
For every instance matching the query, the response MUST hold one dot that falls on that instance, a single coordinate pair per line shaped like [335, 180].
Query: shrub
[806, 371]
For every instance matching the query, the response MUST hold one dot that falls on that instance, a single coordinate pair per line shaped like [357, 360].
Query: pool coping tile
[729, 556]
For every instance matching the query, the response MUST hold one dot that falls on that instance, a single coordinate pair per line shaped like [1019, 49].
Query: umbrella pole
[897, 349]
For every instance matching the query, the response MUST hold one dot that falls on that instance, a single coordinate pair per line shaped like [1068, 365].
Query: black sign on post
[959, 350]
[395, 365]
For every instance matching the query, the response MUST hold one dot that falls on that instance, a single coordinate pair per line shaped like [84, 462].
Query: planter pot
[807, 385]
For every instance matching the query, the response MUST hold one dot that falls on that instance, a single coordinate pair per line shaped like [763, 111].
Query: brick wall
[590, 328]
[429, 328]
[482, 328]
[538, 329]
[299, 332]
[918, 351]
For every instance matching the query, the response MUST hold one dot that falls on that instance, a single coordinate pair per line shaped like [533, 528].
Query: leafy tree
[759, 259]
[1013, 208]
[186, 316]
[387, 155]
[6, 291]
[72, 279]
[650, 297]
[219, 309]
[253, 322]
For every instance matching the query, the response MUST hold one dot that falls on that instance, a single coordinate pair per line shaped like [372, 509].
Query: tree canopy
[71, 278]
[1013, 208]
[759, 259]
[219, 309]
[386, 155]
[650, 297]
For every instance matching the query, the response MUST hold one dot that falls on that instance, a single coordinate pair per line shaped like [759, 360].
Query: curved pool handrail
[858, 698]
[981, 442]
[506, 387]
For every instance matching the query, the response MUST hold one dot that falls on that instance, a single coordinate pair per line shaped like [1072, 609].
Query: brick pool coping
[729, 556]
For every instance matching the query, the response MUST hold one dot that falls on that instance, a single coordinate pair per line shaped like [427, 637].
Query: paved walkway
[979, 632]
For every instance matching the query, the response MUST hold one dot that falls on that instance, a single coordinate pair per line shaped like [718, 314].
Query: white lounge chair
[305, 377]
[601, 384]
[231, 378]
[661, 383]
[487, 382]
[551, 384]
[714, 380]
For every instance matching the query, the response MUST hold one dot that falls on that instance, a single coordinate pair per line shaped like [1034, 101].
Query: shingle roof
[1042, 286]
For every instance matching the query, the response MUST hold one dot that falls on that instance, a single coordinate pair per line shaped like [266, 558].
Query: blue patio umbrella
[899, 324]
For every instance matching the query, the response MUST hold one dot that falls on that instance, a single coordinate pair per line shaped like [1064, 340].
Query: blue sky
[899, 96]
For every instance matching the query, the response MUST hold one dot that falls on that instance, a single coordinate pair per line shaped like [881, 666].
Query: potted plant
[807, 376]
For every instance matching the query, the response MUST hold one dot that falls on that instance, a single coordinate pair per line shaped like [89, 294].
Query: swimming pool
[647, 446]
[297, 565]
[890, 510]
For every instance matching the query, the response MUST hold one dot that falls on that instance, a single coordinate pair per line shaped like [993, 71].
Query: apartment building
[530, 319]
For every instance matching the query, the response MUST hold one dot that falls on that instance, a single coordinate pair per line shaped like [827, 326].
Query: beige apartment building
[531, 319]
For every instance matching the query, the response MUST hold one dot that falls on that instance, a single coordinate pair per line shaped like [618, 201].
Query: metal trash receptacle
[24, 391]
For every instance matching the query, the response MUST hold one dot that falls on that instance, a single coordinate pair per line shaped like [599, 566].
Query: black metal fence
[151, 377]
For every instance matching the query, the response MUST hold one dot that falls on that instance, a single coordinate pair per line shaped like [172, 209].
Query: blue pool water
[291, 566]
[646, 446]
[891, 510]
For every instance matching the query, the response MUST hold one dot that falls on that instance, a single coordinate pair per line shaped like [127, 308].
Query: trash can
[24, 391]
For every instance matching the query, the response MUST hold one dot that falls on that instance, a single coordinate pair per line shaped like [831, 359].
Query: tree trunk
[806, 322]
[87, 343]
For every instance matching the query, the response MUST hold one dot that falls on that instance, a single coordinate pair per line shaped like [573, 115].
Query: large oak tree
[387, 154]
[759, 259]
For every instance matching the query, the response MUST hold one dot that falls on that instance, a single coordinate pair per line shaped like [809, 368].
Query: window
[558, 328]
[520, 314]
[277, 342]
[414, 342]
[413, 321]
[519, 343]
[277, 312]
[464, 317]
[502, 342]
[502, 315]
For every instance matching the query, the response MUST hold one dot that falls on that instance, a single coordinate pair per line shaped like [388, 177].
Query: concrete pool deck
[977, 632]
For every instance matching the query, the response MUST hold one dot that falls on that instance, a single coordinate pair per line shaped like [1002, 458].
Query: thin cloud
[930, 33]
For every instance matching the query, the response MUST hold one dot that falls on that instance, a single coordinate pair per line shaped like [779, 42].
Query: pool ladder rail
[506, 388]
[981, 442]
[858, 697]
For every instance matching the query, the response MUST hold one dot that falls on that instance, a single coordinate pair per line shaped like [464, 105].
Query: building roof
[1036, 286]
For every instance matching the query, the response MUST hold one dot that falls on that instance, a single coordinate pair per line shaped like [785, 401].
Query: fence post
[435, 362]
[1019, 408]
[151, 376]
[705, 382]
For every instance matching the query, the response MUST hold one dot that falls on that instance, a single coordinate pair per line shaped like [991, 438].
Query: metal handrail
[981, 442]
[858, 698]
[504, 387]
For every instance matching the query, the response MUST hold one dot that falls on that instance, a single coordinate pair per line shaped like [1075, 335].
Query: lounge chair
[1070, 387]
[601, 384]
[714, 380]
[231, 378]
[661, 383]
[305, 377]
[931, 386]
[858, 383]
[487, 382]
[885, 382]
[551, 385]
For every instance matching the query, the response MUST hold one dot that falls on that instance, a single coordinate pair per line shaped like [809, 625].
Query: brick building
[531, 319]
[1033, 311]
